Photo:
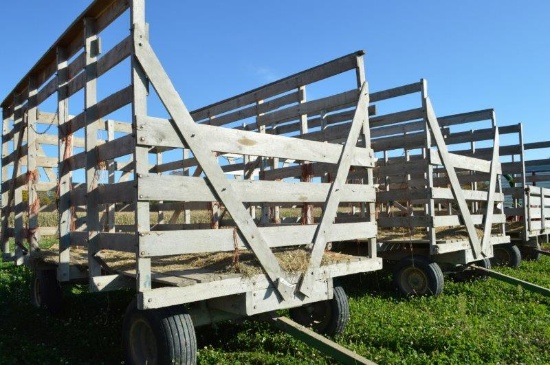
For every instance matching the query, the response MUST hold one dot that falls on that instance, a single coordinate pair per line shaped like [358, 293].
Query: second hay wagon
[438, 211]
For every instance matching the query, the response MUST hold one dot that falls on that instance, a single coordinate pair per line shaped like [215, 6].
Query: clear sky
[475, 54]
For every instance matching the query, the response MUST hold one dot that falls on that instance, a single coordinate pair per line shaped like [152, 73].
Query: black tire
[45, 290]
[328, 317]
[484, 263]
[530, 253]
[506, 255]
[417, 275]
[466, 273]
[158, 336]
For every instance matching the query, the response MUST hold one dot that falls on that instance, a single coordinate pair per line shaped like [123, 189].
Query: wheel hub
[414, 280]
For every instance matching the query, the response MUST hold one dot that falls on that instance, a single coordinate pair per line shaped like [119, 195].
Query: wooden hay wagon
[477, 137]
[438, 211]
[167, 205]
[528, 196]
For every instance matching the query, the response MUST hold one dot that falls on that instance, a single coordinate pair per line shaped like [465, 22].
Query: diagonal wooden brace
[488, 221]
[453, 178]
[333, 198]
[193, 136]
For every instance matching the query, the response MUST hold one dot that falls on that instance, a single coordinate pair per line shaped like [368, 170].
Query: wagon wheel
[158, 336]
[530, 253]
[327, 317]
[466, 273]
[417, 275]
[46, 291]
[506, 255]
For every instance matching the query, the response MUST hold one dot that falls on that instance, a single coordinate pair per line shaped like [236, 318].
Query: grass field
[482, 322]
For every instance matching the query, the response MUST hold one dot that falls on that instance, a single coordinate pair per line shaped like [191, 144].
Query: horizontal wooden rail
[184, 188]
[326, 70]
[162, 243]
[158, 132]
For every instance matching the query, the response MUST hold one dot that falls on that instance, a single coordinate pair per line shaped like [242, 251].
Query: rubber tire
[528, 253]
[158, 336]
[506, 255]
[430, 275]
[469, 274]
[484, 263]
[46, 291]
[328, 317]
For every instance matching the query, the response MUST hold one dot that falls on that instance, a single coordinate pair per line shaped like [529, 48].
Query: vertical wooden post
[141, 154]
[186, 211]
[111, 178]
[431, 232]
[19, 124]
[32, 172]
[473, 185]
[525, 207]
[498, 176]
[160, 213]
[307, 208]
[265, 209]
[65, 150]
[92, 120]
[365, 134]
[6, 116]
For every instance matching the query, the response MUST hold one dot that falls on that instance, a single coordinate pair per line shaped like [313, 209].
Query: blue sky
[474, 54]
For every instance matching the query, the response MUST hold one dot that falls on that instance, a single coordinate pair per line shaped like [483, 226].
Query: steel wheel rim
[413, 280]
[501, 256]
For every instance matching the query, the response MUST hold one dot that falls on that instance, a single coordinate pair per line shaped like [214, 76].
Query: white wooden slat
[455, 220]
[445, 193]
[466, 163]
[47, 91]
[229, 285]
[398, 117]
[184, 188]
[470, 136]
[114, 56]
[314, 107]
[537, 145]
[250, 111]
[124, 192]
[408, 141]
[124, 242]
[76, 66]
[289, 83]
[156, 132]
[105, 107]
[400, 169]
[164, 243]
[395, 92]
[121, 146]
[463, 118]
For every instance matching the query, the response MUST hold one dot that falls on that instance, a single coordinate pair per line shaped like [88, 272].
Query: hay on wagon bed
[421, 233]
[245, 263]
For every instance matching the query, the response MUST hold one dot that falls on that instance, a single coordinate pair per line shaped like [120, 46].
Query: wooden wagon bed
[213, 275]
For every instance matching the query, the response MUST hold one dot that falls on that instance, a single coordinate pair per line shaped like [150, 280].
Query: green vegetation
[482, 322]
